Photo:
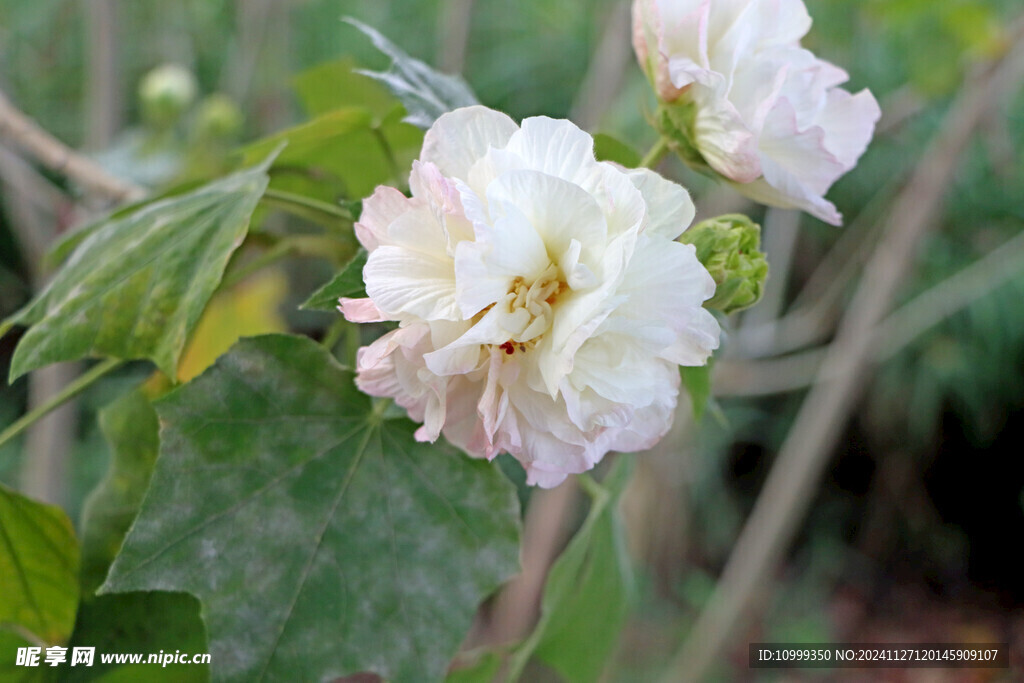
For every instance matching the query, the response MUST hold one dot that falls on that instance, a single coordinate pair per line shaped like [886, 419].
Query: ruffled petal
[558, 211]
[405, 281]
[669, 207]
[541, 299]
[459, 138]
[555, 147]
[380, 210]
[849, 122]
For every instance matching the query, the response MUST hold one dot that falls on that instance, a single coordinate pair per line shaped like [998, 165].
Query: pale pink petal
[801, 154]
[789, 194]
[849, 122]
[369, 356]
[381, 209]
[427, 182]
[360, 310]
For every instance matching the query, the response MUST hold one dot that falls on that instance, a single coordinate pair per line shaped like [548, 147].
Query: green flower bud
[218, 118]
[728, 246]
[165, 93]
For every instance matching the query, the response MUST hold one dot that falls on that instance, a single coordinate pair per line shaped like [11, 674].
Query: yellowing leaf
[247, 310]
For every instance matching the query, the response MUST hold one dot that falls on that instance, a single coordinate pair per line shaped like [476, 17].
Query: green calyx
[675, 123]
[728, 246]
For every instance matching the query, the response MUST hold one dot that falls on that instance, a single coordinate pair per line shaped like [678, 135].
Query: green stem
[353, 340]
[68, 393]
[396, 172]
[598, 494]
[333, 333]
[303, 206]
[655, 154]
[5, 327]
[270, 256]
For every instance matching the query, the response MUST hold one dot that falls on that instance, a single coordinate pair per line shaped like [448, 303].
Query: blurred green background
[914, 531]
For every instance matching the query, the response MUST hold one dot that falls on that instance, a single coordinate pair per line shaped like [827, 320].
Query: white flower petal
[554, 147]
[789, 194]
[559, 211]
[800, 153]
[418, 283]
[844, 119]
[725, 141]
[698, 337]
[486, 268]
[669, 207]
[459, 138]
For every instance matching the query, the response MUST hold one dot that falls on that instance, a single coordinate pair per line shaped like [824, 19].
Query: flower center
[528, 309]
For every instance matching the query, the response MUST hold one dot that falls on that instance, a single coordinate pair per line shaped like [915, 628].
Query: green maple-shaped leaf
[135, 287]
[320, 538]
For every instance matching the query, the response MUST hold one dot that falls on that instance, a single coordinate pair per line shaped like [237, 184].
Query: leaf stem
[270, 256]
[333, 333]
[597, 493]
[655, 154]
[396, 172]
[65, 395]
[300, 204]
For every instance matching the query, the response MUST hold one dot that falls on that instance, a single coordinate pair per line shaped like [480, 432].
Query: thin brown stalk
[19, 130]
[607, 69]
[898, 330]
[454, 23]
[544, 534]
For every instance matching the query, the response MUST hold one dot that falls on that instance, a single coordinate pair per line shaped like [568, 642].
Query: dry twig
[24, 133]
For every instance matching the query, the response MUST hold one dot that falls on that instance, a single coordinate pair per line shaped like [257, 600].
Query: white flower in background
[765, 113]
[543, 305]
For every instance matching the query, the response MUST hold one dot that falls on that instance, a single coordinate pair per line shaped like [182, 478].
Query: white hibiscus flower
[542, 303]
[767, 114]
